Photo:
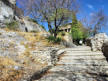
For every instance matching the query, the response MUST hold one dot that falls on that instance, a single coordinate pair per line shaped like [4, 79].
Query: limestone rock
[26, 24]
[88, 41]
[10, 41]
[48, 55]
[12, 1]
[67, 41]
[6, 13]
[9, 12]
[105, 49]
[97, 41]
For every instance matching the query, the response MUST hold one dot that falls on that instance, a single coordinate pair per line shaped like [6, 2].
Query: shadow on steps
[39, 74]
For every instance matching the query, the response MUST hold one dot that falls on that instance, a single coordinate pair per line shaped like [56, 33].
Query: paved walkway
[79, 64]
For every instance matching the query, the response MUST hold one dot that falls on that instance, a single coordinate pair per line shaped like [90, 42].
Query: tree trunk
[55, 34]
[50, 29]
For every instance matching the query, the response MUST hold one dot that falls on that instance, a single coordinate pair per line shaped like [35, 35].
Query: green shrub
[76, 33]
[13, 25]
[34, 31]
[54, 40]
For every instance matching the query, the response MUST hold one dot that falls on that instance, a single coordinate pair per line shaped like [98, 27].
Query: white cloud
[90, 6]
[91, 14]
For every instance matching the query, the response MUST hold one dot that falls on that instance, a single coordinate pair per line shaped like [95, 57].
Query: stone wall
[97, 41]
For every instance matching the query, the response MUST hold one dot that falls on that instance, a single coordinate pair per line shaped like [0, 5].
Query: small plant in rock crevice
[12, 25]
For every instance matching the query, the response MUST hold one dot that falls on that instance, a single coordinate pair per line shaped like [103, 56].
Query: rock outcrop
[12, 1]
[26, 24]
[105, 49]
[6, 12]
[9, 12]
[97, 41]
[67, 40]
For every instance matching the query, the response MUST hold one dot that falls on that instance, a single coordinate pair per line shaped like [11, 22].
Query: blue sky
[88, 7]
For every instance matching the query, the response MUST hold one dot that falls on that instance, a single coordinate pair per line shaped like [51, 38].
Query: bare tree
[99, 21]
[86, 24]
[53, 12]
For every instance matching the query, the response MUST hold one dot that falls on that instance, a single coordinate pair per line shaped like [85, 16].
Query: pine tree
[76, 32]
[74, 20]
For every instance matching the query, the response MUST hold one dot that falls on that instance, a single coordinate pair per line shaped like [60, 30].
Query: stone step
[83, 53]
[70, 55]
[78, 48]
[98, 52]
[83, 57]
[84, 61]
[77, 68]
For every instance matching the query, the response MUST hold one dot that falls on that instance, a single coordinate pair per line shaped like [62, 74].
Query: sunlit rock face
[12, 1]
[9, 12]
[97, 41]
[6, 13]
[67, 41]
[26, 24]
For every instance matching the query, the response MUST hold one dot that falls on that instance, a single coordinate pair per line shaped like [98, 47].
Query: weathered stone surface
[48, 55]
[10, 41]
[27, 25]
[105, 49]
[6, 13]
[10, 12]
[12, 1]
[67, 41]
[84, 67]
[97, 41]
[30, 56]
[88, 41]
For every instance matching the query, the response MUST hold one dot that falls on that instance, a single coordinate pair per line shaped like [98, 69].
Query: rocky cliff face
[9, 12]
[12, 1]
[6, 11]
[26, 24]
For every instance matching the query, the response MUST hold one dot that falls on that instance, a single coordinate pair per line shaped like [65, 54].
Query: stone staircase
[79, 61]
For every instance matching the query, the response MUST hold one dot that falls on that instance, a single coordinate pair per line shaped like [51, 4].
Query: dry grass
[35, 38]
[7, 73]
[6, 61]
[35, 41]
[8, 30]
